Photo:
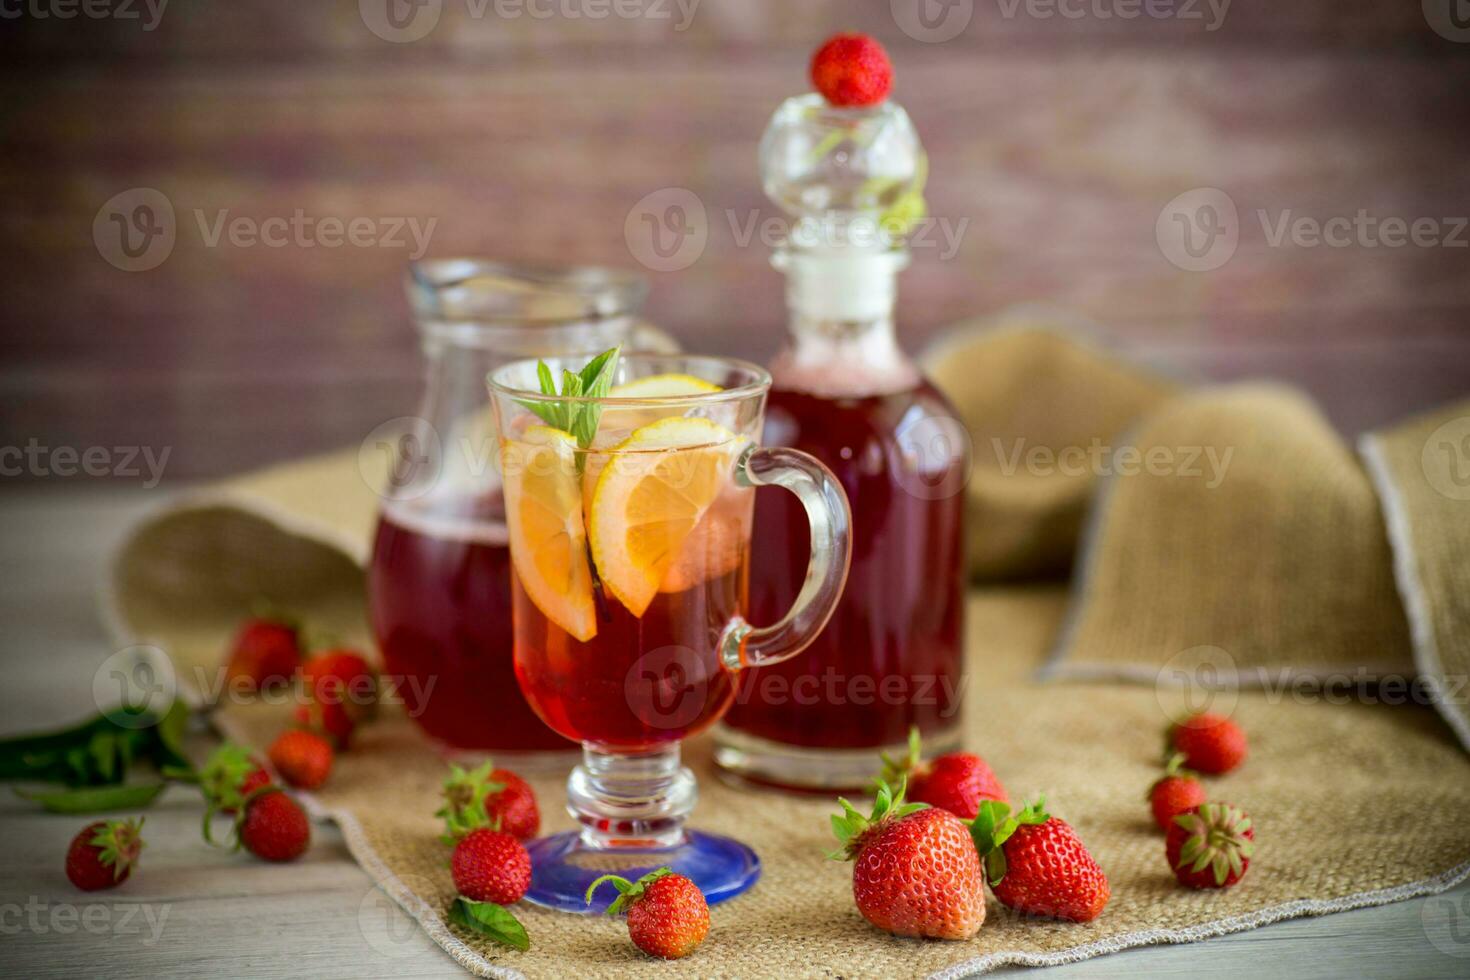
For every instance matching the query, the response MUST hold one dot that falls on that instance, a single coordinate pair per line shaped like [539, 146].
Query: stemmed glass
[629, 518]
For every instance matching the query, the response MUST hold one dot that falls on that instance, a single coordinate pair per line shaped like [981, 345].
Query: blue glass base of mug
[563, 867]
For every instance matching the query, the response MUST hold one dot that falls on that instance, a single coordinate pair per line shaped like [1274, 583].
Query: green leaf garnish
[578, 418]
[490, 920]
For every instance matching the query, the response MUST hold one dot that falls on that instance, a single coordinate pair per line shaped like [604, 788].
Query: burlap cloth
[1357, 801]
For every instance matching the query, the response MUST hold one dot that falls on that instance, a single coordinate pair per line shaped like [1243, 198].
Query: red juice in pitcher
[441, 608]
[891, 657]
[439, 577]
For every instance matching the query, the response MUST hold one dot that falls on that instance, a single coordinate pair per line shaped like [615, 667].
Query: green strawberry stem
[465, 795]
[852, 828]
[993, 826]
[628, 891]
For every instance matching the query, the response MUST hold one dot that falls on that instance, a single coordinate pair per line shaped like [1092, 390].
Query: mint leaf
[574, 417]
[490, 920]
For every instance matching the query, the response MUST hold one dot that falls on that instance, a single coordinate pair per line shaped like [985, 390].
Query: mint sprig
[580, 418]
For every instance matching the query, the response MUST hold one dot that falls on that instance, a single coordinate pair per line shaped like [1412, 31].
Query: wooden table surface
[194, 910]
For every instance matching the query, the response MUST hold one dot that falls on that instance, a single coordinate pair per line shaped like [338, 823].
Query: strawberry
[667, 914]
[104, 853]
[343, 692]
[272, 826]
[485, 796]
[956, 782]
[264, 654]
[490, 866]
[1176, 791]
[916, 872]
[1209, 743]
[303, 759]
[852, 70]
[1037, 865]
[228, 776]
[1211, 845]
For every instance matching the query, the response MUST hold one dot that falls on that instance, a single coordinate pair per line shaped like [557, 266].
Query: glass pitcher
[439, 579]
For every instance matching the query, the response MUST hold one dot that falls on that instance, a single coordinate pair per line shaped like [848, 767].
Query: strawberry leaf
[490, 920]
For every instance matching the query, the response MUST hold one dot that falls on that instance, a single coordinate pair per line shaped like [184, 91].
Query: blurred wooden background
[1059, 139]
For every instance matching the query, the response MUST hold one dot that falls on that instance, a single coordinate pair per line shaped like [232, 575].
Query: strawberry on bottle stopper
[852, 70]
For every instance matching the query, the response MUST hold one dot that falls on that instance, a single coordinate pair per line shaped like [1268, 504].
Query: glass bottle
[892, 655]
[439, 578]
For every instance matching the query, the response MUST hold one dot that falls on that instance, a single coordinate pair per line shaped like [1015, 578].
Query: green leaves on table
[99, 754]
[95, 799]
[490, 920]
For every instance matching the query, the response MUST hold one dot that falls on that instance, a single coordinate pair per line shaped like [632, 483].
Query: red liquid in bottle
[441, 611]
[640, 682]
[891, 657]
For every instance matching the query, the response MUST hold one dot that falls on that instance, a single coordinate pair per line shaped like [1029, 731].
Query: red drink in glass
[641, 682]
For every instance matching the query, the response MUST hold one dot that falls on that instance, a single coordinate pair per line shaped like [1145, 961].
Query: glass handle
[743, 645]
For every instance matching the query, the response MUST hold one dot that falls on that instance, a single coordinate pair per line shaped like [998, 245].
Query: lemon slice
[651, 494]
[663, 386]
[548, 540]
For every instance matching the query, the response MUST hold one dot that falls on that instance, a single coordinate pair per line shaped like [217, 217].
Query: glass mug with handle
[629, 488]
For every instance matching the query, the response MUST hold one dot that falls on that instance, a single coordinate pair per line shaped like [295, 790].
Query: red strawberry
[956, 782]
[228, 776]
[916, 870]
[488, 797]
[1174, 792]
[667, 914]
[852, 70]
[1209, 743]
[343, 691]
[104, 854]
[1211, 845]
[303, 759]
[273, 826]
[265, 653]
[1037, 865]
[490, 866]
